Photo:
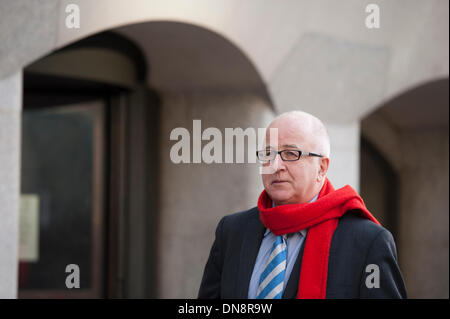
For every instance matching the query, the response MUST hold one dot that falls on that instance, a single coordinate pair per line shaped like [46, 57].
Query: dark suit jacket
[356, 243]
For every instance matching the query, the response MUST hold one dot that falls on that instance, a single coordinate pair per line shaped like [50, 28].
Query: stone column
[344, 157]
[10, 141]
[195, 196]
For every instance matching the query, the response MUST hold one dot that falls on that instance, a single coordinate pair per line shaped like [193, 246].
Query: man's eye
[290, 154]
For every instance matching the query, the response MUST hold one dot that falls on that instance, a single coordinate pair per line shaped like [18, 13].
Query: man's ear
[323, 169]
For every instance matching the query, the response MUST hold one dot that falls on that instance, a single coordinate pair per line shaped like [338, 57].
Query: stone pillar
[424, 212]
[195, 196]
[10, 145]
[344, 157]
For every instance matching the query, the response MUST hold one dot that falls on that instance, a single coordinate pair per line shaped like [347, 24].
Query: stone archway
[204, 77]
[411, 133]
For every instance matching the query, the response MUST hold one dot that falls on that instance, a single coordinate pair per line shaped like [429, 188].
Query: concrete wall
[270, 34]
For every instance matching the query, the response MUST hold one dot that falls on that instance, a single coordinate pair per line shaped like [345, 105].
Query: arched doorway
[136, 250]
[409, 134]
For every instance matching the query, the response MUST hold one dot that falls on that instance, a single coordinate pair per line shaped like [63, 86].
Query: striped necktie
[272, 278]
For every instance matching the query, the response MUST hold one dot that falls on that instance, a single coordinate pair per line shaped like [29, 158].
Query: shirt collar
[303, 231]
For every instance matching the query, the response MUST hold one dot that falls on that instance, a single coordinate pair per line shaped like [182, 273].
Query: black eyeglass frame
[299, 154]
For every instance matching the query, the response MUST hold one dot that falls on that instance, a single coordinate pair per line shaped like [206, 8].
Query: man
[304, 239]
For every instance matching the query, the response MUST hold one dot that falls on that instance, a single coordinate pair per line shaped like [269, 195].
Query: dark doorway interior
[379, 186]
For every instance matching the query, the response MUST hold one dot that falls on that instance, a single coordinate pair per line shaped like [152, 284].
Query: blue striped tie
[272, 278]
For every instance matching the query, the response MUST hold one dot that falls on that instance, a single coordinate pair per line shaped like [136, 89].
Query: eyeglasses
[286, 155]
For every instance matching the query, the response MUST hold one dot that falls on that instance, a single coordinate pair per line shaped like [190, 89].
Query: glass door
[62, 202]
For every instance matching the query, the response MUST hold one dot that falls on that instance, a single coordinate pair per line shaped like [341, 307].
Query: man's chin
[279, 198]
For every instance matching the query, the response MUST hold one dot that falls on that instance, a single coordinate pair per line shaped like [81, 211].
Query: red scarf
[320, 218]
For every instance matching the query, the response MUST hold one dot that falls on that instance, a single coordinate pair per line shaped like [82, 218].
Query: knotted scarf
[321, 219]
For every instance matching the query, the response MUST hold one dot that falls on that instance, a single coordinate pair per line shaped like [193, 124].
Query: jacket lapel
[253, 235]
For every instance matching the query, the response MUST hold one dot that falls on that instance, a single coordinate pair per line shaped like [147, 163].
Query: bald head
[296, 181]
[309, 127]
